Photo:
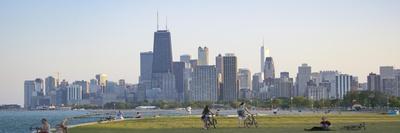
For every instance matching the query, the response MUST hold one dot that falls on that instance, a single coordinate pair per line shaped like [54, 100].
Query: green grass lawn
[271, 124]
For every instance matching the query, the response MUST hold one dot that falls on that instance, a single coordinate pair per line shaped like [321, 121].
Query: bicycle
[355, 127]
[250, 121]
[211, 121]
[35, 129]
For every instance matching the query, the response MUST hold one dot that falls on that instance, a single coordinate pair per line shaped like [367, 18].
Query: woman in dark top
[205, 116]
[325, 124]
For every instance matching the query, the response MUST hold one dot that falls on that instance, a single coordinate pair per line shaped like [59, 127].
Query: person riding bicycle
[242, 113]
[205, 116]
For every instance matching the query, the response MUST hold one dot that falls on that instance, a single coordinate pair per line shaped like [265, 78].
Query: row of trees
[365, 98]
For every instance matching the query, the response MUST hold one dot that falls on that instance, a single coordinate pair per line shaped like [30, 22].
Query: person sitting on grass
[325, 124]
[242, 110]
[205, 116]
[45, 126]
[62, 127]
[138, 115]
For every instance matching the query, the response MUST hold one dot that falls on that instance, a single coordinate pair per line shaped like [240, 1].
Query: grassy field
[271, 124]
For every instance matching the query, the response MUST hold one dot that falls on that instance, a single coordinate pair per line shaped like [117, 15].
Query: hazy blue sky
[80, 38]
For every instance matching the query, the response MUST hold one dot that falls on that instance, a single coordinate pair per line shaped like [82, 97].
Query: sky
[80, 38]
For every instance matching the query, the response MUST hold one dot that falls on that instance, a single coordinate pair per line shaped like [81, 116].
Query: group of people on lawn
[242, 112]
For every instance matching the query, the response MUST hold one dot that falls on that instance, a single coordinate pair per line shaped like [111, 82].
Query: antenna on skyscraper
[166, 23]
[263, 41]
[157, 20]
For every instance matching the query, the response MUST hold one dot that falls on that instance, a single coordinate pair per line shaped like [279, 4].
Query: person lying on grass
[205, 116]
[325, 124]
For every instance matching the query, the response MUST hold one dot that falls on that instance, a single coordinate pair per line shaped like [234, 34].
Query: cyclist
[205, 116]
[242, 113]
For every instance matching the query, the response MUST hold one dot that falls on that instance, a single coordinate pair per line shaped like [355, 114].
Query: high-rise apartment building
[303, 76]
[203, 56]
[343, 85]
[146, 65]
[204, 84]
[29, 90]
[74, 94]
[230, 89]
[245, 83]
[102, 81]
[179, 72]
[50, 84]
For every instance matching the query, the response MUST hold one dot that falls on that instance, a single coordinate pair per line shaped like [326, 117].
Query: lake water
[22, 121]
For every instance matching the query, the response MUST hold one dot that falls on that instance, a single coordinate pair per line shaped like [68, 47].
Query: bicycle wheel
[214, 123]
[247, 123]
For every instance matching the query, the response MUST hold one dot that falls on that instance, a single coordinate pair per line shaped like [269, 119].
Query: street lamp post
[272, 106]
[291, 104]
[387, 103]
[312, 103]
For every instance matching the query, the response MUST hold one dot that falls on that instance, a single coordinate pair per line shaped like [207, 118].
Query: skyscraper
[230, 89]
[163, 78]
[186, 75]
[102, 81]
[264, 52]
[84, 85]
[202, 56]
[94, 86]
[284, 75]
[29, 89]
[388, 84]
[204, 84]
[163, 87]
[257, 83]
[179, 71]
[219, 62]
[285, 85]
[186, 58]
[303, 76]
[315, 92]
[244, 76]
[50, 84]
[39, 87]
[386, 72]
[162, 52]
[146, 68]
[330, 77]
[74, 94]
[194, 63]
[343, 85]
[122, 83]
[269, 69]
[146, 65]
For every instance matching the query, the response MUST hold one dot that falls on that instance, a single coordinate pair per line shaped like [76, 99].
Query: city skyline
[124, 64]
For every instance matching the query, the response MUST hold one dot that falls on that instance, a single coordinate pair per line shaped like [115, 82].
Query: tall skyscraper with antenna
[264, 52]
[163, 78]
